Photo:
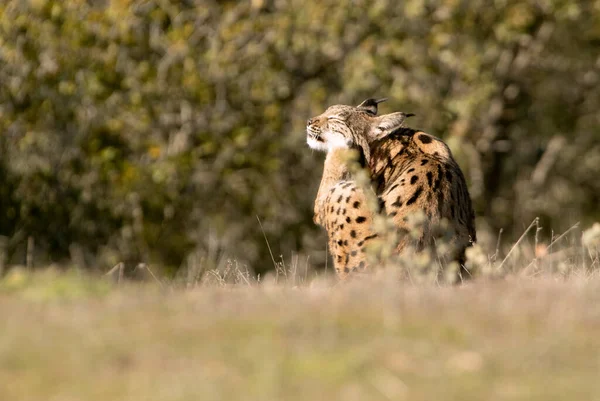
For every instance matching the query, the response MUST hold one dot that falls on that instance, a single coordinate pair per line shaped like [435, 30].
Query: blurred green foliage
[160, 130]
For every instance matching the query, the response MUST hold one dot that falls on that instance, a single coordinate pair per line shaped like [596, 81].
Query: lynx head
[342, 126]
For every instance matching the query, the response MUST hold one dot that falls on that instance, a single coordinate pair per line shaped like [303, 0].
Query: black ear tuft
[370, 105]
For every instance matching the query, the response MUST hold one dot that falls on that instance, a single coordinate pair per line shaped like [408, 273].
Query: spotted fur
[411, 172]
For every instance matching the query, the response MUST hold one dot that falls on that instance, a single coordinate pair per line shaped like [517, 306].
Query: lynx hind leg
[348, 224]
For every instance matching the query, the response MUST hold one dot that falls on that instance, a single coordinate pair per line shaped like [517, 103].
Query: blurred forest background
[161, 131]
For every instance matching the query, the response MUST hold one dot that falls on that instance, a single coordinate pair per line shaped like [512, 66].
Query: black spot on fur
[398, 202]
[381, 203]
[429, 178]
[340, 242]
[360, 243]
[392, 188]
[353, 253]
[356, 205]
[370, 237]
[338, 212]
[361, 219]
[415, 196]
[339, 258]
[343, 211]
[410, 170]
[393, 214]
[341, 226]
[413, 179]
[361, 265]
[438, 180]
[348, 219]
[424, 162]
[340, 199]
[362, 160]
[347, 199]
[425, 138]
[440, 203]
[345, 242]
[380, 182]
[353, 234]
[331, 209]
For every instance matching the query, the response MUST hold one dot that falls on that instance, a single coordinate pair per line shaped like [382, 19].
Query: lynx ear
[387, 124]
[370, 105]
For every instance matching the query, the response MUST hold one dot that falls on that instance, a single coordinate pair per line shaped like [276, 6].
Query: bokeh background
[170, 131]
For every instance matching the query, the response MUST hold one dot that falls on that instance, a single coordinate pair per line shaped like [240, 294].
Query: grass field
[71, 337]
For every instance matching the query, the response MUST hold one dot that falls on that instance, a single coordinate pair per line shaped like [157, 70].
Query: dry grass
[528, 339]
[529, 334]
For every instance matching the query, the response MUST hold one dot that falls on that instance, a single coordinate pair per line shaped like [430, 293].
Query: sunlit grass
[530, 339]
[521, 335]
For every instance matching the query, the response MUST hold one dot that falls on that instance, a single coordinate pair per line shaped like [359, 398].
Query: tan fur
[340, 207]
[411, 172]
